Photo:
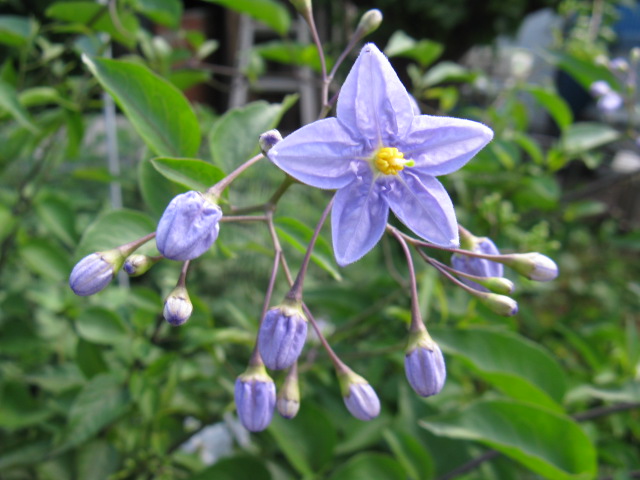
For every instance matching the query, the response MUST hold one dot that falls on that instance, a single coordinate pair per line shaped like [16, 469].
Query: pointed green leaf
[191, 173]
[9, 102]
[270, 12]
[583, 136]
[547, 443]
[234, 137]
[372, 466]
[158, 111]
[16, 30]
[102, 401]
[554, 104]
[101, 326]
[307, 453]
[517, 366]
[164, 12]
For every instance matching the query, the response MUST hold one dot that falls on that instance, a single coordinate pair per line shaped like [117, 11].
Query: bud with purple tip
[534, 266]
[499, 304]
[177, 306]
[268, 139]
[282, 334]
[359, 397]
[138, 264]
[94, 272]
[255, 395]
[188, 226]
[424, 364]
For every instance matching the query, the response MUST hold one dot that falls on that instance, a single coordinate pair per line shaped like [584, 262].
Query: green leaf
[541, 192]
[57, 215]
[517, 366]
[425, 52]
[37, 96]
[114, 229]
[446, 72]
[308, 453]
[19, 408]
[584, 136]
[372, 466]
[291, 53]
[158, 111]
[101, 326]
[584, 71]
[16, 30]
[164, 12]
[547, 443]
[94, 16]
[234, 137]
[626, 393]
[184, 79]
[89, 359]
[96, 460]
[9, 102]
[235, 468]
[415, 460]
[25, 454]
[554, 104]
[298, 235]
[102, 401]
[46, 258]
[269, 12]
[156, 190]
[191, 173]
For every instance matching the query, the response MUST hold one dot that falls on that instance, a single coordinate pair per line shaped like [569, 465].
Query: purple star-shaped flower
[379, 154]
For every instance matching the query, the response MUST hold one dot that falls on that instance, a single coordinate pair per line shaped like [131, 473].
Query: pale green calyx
[302, 6]
[420, 339]
[534, 266]
[348, 377]
[369, 22]
[499, 304]
[255, 372]
[499, 285]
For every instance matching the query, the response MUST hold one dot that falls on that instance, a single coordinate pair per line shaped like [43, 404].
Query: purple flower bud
[424, 365]
[268, 139]
[138, 264]
[255, 395]
[188, 226]
[282, 335]
[94, 272]
[478, 266]
[359, 397]
[610, 102]
[599, 88]
[177, 307]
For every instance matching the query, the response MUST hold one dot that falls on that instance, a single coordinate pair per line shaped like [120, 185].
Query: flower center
[390, 161]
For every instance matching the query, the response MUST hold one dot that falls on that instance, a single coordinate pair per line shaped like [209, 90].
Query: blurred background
[102, 388]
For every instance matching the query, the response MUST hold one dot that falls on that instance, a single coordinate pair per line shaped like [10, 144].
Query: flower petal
[423, 205]
[441, 145]
[358, 219]
[319, 154]
[373, 102]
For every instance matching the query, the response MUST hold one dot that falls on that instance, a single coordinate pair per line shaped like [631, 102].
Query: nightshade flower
[188, 227]
[379, 154]
[424, 365]
[94, 272]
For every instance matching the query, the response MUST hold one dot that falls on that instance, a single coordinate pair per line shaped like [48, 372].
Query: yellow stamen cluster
[390, 161]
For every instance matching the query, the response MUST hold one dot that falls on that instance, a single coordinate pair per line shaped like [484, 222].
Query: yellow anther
[390, 161]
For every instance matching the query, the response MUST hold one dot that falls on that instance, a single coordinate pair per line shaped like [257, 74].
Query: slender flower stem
[296, 290]
[269, 204]
[308, 16]
[437, 266]
[419, 243]
[338, 364]
[243, 218]
[272, 282]
[219, 187]
[182, 280]
[417, 324]
[457, 272]
[127, 248]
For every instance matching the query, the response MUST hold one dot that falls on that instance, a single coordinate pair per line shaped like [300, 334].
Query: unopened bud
[177, 307]
[499, 304]
[500, 285]
[534, 266]
[369, 22]
[188, 227]
[288, 402]
[255, 396]
[424, 364]
[138, 264]
[268, 139]
[302, 6]
[94, 272]
[619, 64]
[359, 397]
[282, 334]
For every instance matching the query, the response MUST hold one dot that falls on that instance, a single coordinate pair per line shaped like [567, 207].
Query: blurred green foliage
[102, 387]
